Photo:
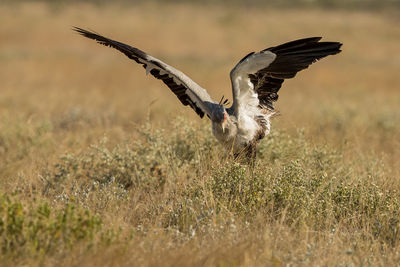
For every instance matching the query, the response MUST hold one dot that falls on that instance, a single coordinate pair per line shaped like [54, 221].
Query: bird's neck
[226, 134]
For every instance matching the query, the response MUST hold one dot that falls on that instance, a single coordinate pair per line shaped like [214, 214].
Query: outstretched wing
[188, 92]
[257, 78]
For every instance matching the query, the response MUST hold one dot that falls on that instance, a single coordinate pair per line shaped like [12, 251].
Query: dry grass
[78, 132]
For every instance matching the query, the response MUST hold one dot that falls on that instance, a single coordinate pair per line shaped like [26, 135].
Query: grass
[101, 166]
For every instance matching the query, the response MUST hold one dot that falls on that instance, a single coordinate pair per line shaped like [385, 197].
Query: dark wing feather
[291, 58]
[198, 98]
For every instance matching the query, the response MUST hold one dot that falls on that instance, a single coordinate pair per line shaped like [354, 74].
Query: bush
[40, 230]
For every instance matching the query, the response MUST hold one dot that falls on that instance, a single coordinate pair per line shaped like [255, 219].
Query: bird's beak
[223, 126]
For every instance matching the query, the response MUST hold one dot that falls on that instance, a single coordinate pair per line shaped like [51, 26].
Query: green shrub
[38, 229]
[145, 163]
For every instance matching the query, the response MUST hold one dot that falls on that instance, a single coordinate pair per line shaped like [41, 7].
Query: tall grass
[180, 186]
[99, 168]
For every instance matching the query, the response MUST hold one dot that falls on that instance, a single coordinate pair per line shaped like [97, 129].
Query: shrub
[38, 229]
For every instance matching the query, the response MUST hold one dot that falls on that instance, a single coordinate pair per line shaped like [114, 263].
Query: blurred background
[60, 91]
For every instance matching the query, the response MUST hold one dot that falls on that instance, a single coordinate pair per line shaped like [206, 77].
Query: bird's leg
[247, 155]
[251, 154]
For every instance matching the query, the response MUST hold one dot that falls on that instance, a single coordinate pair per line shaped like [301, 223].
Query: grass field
[100, 165]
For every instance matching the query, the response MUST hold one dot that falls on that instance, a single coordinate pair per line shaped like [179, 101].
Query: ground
[101, 164]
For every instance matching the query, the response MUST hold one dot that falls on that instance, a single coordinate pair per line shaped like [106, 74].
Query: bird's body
[242, 131]
[256, 79]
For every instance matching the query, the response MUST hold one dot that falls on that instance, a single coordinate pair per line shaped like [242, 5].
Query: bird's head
[220, 116]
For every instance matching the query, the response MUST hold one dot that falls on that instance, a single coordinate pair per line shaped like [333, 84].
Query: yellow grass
[61, 93]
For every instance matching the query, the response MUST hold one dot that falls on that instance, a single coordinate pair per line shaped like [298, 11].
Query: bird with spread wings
[256, 80]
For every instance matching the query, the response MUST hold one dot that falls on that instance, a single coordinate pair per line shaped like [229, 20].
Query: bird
[256, 80]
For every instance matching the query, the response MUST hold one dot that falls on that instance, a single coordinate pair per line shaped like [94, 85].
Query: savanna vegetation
[102, 166]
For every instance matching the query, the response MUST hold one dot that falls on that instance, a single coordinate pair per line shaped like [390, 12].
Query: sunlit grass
[179, 186]
[101, 165]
